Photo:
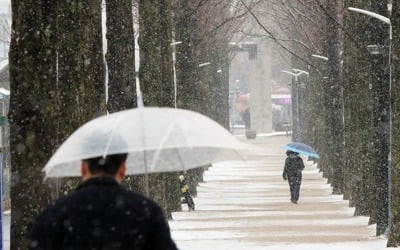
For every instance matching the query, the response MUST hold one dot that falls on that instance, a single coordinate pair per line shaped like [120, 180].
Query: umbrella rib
[110, 137]
[180, 160]
[162, 142]
[187, 143]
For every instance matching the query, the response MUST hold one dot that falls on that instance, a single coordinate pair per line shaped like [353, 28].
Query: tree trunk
[32, 61]
[49, 56]
[120, 55]
[155, 74]
[335, 93]
[394, 233]
[155, 53]
[381, 90]
[121, 65]
[80, 62]
[187, 31]
[358, 165]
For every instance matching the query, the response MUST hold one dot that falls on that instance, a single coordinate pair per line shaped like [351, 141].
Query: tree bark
[187, 31]
[380, 87]
[55, 75]
[32, 61]
[155, 75]
[394, 233]
[80, 62]
[334, 91]
[358, 171]
[120, 55]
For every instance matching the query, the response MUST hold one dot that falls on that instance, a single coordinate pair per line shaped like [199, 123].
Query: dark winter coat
[294, 165]
[101, 214]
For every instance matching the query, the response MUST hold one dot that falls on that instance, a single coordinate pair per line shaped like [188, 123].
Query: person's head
[291, 153]
[111, 165]
[181, 177]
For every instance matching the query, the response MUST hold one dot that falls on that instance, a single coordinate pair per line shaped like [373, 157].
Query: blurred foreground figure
[101, 214]
[187, 198]
[292, 172]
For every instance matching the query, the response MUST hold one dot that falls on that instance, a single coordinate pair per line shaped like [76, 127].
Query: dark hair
[108, 165]
[289, 152]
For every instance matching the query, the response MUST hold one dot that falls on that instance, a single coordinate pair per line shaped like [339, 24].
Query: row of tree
[349, 112]
[58, 72]
[349, 105]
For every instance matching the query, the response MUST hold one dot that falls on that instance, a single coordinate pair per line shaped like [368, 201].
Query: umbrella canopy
[301, 148]
[156, 140]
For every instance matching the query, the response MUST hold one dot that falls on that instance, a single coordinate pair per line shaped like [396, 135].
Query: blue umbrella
[301, 148]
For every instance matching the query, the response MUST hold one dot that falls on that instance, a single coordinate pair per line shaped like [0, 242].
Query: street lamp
[387, 21]
[296, 77]
[4, 91]
[204, 64]
[300, 96]
[320, 57]
[301, 71]
[291, 73]
[173, 44]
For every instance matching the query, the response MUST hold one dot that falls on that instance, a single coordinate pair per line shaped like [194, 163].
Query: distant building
[5, 31]
[5, 131]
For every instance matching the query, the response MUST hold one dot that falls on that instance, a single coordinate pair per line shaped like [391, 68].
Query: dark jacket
[101, 214]
[294, 165]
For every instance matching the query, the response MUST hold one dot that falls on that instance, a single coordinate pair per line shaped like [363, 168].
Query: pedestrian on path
[101, 214]
[292, 172]
[187, 198]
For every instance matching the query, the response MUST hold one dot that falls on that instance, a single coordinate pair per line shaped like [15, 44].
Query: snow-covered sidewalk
[6, 229]
[246, 205]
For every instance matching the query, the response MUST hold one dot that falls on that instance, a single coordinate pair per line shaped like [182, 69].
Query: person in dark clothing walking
[187, 198]
[292, 172]
[101, 214]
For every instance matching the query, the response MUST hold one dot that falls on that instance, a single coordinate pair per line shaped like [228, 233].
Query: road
[246, 205]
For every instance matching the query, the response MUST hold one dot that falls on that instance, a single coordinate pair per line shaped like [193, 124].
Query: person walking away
[101, 214]
[187, 198]
[292, 172]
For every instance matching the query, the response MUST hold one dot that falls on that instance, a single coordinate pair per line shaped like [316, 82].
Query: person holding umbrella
[101, 214]
[292, 172]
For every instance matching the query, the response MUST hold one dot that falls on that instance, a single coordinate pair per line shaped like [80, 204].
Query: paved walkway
[6, 229]
[245, 205]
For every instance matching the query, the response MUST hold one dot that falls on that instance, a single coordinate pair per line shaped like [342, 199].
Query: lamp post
[301, 101]
[320, 57]
[300, 71]
[204, 64]
[389, 159]
[296, 75]
[173, 44]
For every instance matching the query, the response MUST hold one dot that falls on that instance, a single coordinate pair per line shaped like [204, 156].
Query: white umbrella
[156, 140]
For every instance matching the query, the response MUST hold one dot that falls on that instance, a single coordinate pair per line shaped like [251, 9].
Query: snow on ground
[6, 230]
[245, 205]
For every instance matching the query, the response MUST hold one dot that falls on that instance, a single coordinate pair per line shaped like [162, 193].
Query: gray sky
[5, 6]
